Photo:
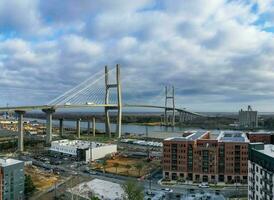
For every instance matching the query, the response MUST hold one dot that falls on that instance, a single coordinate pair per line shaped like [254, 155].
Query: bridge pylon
[108, 86]
[169, 96]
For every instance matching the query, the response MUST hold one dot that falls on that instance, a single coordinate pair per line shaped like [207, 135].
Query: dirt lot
[128, 166]
[40, 178]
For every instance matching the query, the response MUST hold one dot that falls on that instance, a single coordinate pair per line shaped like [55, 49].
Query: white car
[204, 185]
[167, 190]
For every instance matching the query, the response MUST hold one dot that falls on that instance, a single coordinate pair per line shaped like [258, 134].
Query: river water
[153, 131]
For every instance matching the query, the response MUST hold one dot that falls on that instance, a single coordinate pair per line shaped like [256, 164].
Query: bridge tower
[109, 86]
[170, 96]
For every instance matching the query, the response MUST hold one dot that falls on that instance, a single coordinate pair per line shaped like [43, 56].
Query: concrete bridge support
[78, 128]
[49, 113]
[119, 102]
[20, 130]
[172, 98]
[61, 127]
[119, 106]
[93, 126]
[107, 118]
[88, 129]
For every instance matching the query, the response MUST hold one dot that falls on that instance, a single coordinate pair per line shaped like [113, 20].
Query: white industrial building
[260, 171]
[83, 150]
[102, 189]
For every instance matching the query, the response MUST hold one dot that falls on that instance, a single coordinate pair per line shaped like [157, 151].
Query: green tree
[116, 165]
[139, 166]
[104, 164]
[132, 191]
[29, 186]
[95, 198]
[128, 167]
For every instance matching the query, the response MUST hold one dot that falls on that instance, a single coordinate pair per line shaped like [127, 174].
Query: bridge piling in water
[93, 126]
[88, 129]
[78, 128]
[61, 127]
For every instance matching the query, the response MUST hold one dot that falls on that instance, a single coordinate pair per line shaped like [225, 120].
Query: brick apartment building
[264, 137]
[206, 157]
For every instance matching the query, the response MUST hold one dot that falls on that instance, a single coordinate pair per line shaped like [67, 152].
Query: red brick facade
[205, 160]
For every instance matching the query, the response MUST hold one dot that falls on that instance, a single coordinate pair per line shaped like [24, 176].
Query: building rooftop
[260, 132]
[8, 162]
[80, 144]
[190, 137]
[268, 150]
[99, 188]
[232, 136]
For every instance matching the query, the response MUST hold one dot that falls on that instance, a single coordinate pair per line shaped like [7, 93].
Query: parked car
[204, 185]
[167, 189]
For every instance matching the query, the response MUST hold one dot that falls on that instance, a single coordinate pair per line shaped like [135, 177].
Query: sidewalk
[190, 183]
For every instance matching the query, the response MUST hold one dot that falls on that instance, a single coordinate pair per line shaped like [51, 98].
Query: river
[153, 131]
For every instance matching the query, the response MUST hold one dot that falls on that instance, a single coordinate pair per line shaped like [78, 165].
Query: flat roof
[80, 144]
[99, 188]
[232, 136]
[268, 150]
[8, 162]
[193, 136]
[260, 132]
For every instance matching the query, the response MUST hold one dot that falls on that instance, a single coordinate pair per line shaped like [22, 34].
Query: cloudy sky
[218, 54]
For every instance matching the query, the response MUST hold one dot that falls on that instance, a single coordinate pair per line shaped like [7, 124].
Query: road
[153, 184]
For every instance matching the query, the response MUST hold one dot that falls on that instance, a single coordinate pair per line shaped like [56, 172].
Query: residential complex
[206, 157]
[83, 150]
[260, 171]
[11, 179]
[264, 137]
[248, 118]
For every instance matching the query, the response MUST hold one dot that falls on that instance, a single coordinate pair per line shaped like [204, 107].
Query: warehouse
[83, 150]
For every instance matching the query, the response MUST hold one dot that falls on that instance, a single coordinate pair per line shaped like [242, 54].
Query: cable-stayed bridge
[101, 90]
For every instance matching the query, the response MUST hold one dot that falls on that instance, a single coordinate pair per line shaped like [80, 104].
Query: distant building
[102, 189]
[12, 179]
[260, 171]
[248, 119]
[205, 157]
[83, 150]
[264, 137]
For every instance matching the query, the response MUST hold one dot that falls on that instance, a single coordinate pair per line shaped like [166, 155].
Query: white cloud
[214, 53]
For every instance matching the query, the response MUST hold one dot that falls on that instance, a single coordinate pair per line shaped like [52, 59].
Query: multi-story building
[248, 118]
[12, 179]
[260, 171]
[264, 137]
[83, 150]
[206, 157]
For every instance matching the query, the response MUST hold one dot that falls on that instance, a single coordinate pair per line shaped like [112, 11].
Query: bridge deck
[41, 107]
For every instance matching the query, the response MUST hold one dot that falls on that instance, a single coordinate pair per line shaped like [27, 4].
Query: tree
[116, 165]
[139, 166]
[94, 198]
[104, 164]
[29, 186]
[128, 167]
[132, 191]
